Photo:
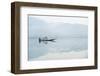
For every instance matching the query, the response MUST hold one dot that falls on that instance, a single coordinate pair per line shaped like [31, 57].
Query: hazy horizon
[70, 36]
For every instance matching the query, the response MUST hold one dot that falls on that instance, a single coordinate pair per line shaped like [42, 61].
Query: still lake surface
[36, 49]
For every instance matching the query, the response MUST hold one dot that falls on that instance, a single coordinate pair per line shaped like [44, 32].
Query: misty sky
[57, 26]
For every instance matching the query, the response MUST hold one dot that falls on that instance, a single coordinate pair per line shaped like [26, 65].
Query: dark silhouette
[45, 40]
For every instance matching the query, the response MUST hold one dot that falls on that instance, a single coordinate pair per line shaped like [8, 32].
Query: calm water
[37, 49]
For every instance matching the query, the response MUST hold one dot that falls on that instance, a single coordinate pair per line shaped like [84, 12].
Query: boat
[45, 39]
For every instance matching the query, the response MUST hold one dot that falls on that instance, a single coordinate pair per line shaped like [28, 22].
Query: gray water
[36, 49]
